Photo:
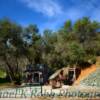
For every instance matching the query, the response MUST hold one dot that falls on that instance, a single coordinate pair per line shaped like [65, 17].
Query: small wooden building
[64, 76]
[37, 74]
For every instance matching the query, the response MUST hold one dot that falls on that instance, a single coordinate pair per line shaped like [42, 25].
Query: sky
[48, 14]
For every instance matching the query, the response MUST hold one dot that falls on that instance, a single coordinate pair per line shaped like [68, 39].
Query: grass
[2, 74]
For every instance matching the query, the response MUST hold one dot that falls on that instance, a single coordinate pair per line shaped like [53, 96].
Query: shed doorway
[37, 77]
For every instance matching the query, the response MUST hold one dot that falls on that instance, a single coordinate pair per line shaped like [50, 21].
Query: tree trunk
[9, 68]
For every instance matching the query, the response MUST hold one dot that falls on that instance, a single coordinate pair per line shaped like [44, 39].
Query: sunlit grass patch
[2, 74]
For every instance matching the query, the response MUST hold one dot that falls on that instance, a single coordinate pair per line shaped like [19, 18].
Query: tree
[70, 45]
[15, 46]
[76, 53]
[33, 44]
[11, 45]
[67, 26]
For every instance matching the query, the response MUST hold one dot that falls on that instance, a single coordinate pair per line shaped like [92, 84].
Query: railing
[36, 91]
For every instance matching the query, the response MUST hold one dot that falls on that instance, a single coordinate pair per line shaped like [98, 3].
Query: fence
[29, 92]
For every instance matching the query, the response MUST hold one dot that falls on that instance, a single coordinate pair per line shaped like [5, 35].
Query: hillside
[85, 73]
[93, 79]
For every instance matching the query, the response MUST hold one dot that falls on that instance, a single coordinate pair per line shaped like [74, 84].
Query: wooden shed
[65, 76]
[37, 74]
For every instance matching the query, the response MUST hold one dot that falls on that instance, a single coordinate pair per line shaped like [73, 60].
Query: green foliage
[2, 74]
[70, 45]
[67, 26]
[74, 44]
[76, 53]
